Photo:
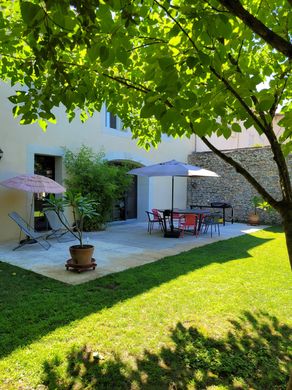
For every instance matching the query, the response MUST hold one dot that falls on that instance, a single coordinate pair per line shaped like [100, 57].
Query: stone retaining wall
[232, 187]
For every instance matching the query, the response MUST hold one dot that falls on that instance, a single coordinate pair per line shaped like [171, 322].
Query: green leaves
[162, 67]
[93, 52]
[98, 51]
[104, 53]
[152, 107]
[287, 148]
[192, 62]
[203, 126]
[43, 124]
[204, 58]
[169, 117]
[166, 63]
[31, 13]
[236, 127]
[266, 101]
[82, 207]
[175, 40]
[147, 111]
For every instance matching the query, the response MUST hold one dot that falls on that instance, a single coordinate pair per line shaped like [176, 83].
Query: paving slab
[119, 247]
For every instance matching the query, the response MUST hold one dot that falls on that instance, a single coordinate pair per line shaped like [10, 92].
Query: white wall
[20, 143]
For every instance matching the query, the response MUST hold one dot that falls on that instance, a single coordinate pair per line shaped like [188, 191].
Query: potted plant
[82, 207]
[258, 203]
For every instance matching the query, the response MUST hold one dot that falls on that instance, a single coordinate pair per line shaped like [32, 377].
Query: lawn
[215, 317]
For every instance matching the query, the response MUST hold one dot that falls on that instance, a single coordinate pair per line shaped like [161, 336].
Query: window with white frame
[110, 120]
[114, 125]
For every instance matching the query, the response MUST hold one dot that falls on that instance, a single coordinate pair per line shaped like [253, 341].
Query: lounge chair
[58, 230]
[31, 235]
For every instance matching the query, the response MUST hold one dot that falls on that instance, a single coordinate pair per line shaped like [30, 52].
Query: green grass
[216, 317]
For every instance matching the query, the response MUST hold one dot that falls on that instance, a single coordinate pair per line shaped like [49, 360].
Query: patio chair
[210, 221]
[31, 235]
[177, 218]
[188, 223]
[164, 218]
[153, 219]
[156, 213]
[58, 230]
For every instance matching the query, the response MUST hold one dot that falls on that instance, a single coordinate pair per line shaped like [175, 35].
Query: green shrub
[260, 203]
[90, 174]
[82, 208]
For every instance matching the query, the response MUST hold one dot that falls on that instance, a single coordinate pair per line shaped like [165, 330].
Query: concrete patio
[121, 246]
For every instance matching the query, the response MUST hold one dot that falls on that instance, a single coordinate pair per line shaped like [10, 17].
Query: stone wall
[231, 187]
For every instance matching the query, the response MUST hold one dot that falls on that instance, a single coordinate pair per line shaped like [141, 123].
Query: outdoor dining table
[199, 212]
[216, 205]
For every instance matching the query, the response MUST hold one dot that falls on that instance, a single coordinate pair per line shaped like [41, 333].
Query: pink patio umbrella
[34, 183]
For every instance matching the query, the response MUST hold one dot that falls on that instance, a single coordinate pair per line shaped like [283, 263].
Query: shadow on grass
[252, 355]
[32, 305]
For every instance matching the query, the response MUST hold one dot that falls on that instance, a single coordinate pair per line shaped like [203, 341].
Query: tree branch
[239, 168]
[127, 83]
[178, 24]
[121, 80]
[269, 133]
[239, 98]
[275, 40]
[158, 42]
[279, 94]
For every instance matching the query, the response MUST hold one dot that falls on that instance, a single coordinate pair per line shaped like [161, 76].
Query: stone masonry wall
[232, 187]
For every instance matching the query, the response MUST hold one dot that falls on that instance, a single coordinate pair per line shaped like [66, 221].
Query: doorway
[131, 200]
[126, 207]
[43, 165]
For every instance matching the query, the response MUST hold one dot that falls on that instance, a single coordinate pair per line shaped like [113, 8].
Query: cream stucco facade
[21, 144]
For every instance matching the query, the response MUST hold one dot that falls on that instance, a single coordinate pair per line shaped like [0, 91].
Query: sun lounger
[32, 235]
[58, 230]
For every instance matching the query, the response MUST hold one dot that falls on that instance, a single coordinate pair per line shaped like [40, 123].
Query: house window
[110, 120]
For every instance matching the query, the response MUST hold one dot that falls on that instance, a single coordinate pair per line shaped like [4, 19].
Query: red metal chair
[152, 219]
[189, 223]
[156, 213]
[176, 217]
[158, 216]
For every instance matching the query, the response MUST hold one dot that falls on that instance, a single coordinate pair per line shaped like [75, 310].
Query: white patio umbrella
[172, 168]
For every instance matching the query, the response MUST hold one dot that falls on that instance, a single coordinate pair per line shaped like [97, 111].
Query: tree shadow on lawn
[254, 354]
[32, 305]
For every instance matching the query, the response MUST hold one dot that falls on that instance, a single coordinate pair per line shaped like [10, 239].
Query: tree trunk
[286, 213]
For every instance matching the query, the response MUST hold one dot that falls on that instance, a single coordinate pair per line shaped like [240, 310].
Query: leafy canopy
[163, 66]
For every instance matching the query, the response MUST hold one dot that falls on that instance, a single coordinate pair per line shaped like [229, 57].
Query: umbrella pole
[172, 195]
[172, 233]
[31, 211]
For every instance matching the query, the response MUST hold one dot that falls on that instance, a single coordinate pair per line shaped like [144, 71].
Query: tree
[90, 174]
[179, 67]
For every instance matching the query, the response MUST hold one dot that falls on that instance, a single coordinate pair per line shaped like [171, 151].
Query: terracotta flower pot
[81, 254]
[253, 219]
